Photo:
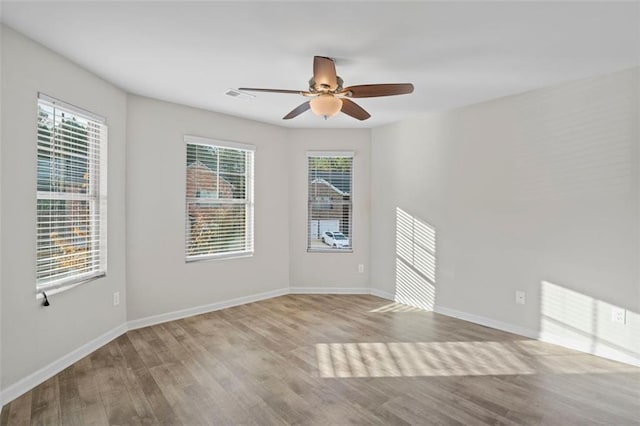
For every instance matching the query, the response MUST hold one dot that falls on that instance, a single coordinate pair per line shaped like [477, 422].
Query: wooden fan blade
[297, 111]
[324, 73]
[354, 110]
[375, 90]
[251, 89]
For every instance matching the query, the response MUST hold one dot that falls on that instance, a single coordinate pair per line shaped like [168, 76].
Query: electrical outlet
[116, 298]
[618, 315]
[361, 268]
[520, 298]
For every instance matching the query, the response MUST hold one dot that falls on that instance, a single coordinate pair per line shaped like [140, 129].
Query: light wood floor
[311, 359]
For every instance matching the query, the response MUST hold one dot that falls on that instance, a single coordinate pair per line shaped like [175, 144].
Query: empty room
[319, 213]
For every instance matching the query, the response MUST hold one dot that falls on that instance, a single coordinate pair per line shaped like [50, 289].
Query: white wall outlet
[361, 268]
[618, 315]
[520, 297]
[116, 298]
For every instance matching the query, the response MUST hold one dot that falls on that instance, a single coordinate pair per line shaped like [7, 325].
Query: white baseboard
[328, 290]
[24, 385]
[487, 322]
[341, 290]
[203, 309]
[600, 350]
[381, 293]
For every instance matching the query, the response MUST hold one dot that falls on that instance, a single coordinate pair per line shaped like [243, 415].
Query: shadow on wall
[415, 261]
[587, 324]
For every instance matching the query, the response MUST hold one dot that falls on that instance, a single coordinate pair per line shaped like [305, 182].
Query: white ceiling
[455, 53]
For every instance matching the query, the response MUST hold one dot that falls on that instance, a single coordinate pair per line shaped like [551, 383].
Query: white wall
[536, 192]
[159, 280]
[328, 270]
[1, 362]
[34, 336]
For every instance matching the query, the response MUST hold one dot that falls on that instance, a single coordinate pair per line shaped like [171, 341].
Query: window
[71, 195]
[330, 201]
[219, 199]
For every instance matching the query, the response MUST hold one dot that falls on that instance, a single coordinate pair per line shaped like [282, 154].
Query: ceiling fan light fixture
[326, 105]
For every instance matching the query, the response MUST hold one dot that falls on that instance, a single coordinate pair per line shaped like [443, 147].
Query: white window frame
[318, 201]
[248, 202]
[95, 196]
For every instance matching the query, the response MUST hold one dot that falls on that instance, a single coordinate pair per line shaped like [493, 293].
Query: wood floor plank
[70, 402]
[19, 412]
[45, 403]
[331, 360]
[108, 365]
[230, 395]
[93, 411]
[149, 402]
[420, 411]
[4, 415]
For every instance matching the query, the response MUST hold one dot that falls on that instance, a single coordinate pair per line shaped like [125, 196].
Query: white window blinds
[71, 194]
[219, 199]
[330, 201]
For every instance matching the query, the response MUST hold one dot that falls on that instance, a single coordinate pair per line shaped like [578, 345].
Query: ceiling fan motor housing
[325, 88]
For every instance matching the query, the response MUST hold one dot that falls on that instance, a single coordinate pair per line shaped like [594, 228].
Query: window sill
[328, 250]
[53, 290]
[222, 256]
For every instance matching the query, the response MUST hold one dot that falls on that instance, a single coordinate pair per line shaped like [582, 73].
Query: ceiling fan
[328, 97]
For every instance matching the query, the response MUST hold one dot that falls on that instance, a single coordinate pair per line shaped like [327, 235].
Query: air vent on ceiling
[238, 94]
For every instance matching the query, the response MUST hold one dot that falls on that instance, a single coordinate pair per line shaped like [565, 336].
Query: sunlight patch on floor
[437, 359]
[396, 307]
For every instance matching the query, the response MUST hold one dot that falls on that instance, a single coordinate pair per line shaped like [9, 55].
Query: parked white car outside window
[335, 239]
